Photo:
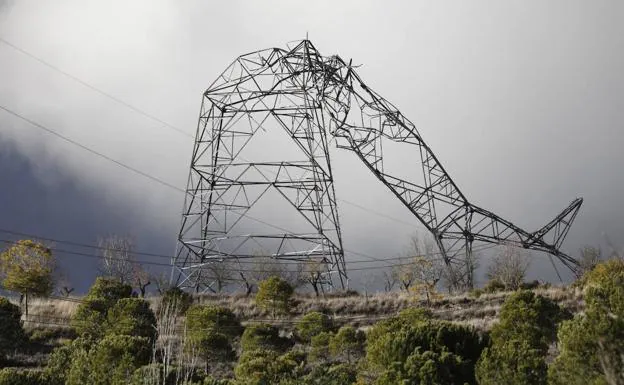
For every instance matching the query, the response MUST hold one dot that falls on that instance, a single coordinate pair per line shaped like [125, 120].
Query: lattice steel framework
[310, 96]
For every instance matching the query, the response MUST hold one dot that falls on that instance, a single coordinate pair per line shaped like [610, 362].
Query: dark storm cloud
[522, 103]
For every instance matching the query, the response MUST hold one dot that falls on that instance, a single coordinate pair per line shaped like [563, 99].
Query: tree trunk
[316, 290]
[26, 308]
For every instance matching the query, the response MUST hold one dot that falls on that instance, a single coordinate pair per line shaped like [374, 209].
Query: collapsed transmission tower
[311, 99]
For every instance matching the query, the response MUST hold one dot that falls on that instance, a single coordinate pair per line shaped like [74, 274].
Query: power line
[139, 172]
[154, 118]
[92, 151]
[169, 257]
[94, 256]
[94, 88]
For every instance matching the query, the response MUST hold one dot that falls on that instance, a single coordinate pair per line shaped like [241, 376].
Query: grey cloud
[521, 102]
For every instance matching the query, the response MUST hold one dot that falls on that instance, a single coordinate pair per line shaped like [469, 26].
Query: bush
[319, 346]
[342, 374]
[592, 344]
[527, 316]
[175, 300]
[210, 331]
[520, 340]
[512, 362]
[61, 360]
[263, 367]
[11, 331]
[112, 361]
[347, 343]
[493, 286]
[413, 348]
[132, 317]
[108, 291]
[212, 346]
[405, 319]
[274, 295]
[201, 318]
[313, 324]
[90, 317]
[154, 374]
[264, 337]
[429, 367]
[530, 285]
[10, 376]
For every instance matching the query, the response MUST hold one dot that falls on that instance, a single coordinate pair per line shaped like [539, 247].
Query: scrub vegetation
[509, 332]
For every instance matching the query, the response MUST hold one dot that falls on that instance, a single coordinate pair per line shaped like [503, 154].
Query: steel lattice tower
[310, 97]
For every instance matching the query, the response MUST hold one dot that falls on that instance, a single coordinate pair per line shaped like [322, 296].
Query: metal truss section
[310, 96]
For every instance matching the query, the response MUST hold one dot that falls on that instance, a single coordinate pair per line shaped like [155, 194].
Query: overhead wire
[371, 259]
[163, 256]
[162, 264]
[154, 118]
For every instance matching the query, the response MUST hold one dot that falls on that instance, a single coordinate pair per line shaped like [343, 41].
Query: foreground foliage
[121, 341]
[592, 344]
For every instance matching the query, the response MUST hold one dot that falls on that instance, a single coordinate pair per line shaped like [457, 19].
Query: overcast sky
[522, 102]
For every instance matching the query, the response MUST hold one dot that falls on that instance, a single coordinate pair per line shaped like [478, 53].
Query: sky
[522, 102]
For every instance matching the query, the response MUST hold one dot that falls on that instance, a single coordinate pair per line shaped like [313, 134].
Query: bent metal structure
[314, 99]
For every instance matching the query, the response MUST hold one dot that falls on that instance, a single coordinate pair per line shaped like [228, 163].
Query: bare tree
[247, 284]
[141, 278]
[403, 273]
[423, 267]
[64, 286]
[217, 275]
[509, 267]
[311, 273]
[389, 281]
[117, 257]
[428, 273]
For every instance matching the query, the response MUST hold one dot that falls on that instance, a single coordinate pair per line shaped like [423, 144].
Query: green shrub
[429, 367]
[132, 317]
[11, 331]
[274, 295]
[62, 358]
[175, 300]
[341, 374]
[347, 343]
[319, 346]
[90, 316]
[154, 374]
[201, 318]
[527, 325]
[264, 367]
[592, 344]
[405, 319]
[10, 376]
[213, 381]
[264, 337]
[313, 324]
[493, 286]
[527, 316]
[112, 361]
[108, 291]
[212, 346]
[413, 348]
[512, 362]
[210, 331]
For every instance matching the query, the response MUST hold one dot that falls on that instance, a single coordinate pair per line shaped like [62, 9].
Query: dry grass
[481, 312]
